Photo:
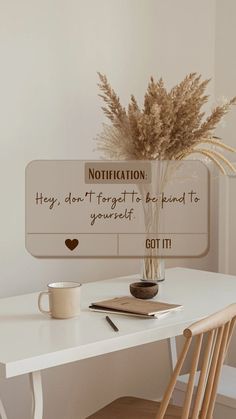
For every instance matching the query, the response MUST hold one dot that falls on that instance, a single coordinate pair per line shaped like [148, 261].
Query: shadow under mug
[64, 300]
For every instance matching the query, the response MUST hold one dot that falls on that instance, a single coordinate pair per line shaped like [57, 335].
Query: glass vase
[153, 269]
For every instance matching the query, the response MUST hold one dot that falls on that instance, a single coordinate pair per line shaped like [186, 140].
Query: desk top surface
[31, 341]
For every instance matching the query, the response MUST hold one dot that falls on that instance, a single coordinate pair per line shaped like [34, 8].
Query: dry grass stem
[218, 143]
[211, 157]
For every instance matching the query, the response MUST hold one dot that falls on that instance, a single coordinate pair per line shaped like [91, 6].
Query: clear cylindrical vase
[153, 269]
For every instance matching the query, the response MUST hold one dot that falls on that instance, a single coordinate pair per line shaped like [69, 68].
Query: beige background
[50, 52]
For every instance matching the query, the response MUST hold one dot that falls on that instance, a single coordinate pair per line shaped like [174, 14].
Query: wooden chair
[217, 329]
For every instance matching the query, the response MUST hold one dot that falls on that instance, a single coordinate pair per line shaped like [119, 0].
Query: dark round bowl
[144, 290]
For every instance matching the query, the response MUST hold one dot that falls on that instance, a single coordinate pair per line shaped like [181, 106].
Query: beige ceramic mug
[64, 300]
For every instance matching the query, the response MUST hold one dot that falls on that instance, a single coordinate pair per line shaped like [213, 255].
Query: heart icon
[71, 244]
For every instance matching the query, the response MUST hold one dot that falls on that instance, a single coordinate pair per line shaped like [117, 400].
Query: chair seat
[134, 408]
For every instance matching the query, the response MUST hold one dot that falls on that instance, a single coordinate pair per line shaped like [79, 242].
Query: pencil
[114, 327]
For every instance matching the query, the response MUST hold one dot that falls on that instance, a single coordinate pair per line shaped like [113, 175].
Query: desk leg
[173, 359]
[37, 393]
[173, 352]
[3, 414]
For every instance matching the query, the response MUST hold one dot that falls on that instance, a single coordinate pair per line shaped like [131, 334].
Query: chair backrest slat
[212, 372]
[203, 375]
[232, 325]
[193, 369]
[172, 383]
[218, 329]
[221, 358]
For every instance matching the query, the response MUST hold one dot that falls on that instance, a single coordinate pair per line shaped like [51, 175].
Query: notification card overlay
[115, 209]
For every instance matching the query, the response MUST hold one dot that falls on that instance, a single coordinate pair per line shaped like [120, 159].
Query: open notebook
[134, 306]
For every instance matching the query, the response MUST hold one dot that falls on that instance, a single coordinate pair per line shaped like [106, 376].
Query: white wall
[225, 64]
[50, 52]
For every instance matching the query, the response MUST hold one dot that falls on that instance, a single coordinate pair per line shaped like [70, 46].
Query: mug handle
[39, 303]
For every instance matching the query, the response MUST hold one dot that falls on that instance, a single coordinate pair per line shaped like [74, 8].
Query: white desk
[31, 342]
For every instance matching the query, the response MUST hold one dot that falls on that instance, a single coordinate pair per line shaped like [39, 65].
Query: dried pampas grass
[171, 125]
